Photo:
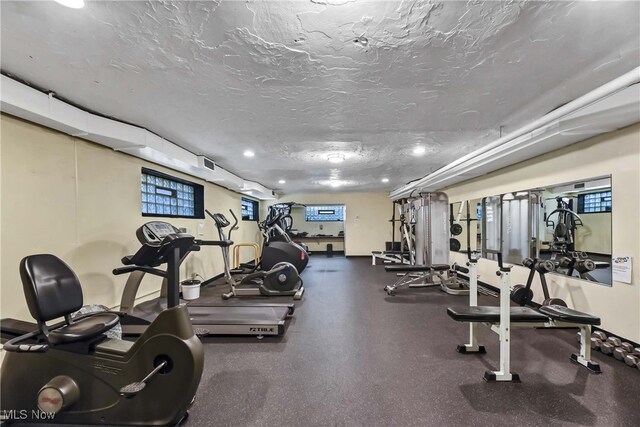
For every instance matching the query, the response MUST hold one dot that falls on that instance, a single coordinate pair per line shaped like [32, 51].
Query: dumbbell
[620, 352]
[521, 295]
[545, 266]
[609, 346]
[633, 359]
[597, 338]
[585, 266]
[564, 262]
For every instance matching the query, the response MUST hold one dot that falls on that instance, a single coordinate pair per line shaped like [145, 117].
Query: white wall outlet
[200, 228]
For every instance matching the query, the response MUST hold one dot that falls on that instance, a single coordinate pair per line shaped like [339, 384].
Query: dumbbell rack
[614, 346]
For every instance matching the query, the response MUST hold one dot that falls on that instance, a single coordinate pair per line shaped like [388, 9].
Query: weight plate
[456, 229]
[521, 295]
[454, 245]
[554, 301]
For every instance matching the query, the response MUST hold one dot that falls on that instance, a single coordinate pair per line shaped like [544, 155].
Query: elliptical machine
[280, 280]
[281, 248]
[71, 373]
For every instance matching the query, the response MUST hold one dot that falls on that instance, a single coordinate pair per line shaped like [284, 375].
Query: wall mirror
[464, 225]
[575, 229]
[568, 223]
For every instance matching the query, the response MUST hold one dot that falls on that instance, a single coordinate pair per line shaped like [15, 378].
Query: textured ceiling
[296, 81]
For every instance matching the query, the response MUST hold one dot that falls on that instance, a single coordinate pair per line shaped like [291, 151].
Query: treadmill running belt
[236, 315]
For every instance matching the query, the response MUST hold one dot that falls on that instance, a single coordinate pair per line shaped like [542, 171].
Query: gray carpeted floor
[353, 356]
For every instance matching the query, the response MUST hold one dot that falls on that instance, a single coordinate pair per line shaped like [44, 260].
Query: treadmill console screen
[161, 229]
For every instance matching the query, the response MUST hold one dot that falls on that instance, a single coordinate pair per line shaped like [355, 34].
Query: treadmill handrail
[222, 243]
[131, 268]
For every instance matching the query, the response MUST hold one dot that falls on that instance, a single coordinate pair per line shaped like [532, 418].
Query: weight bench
[390, 257]
[501, 319]
[422, 276]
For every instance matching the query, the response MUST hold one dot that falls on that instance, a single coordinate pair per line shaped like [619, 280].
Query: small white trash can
[190, 289]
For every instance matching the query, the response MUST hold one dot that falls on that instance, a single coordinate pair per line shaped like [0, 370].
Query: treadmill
[157, 248]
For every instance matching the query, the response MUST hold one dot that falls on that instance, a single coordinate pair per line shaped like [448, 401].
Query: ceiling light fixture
[282, 181]
[385, 180]
[73, 4]
[419, 150]
[336, 158]
[249, 153]
[335, 184]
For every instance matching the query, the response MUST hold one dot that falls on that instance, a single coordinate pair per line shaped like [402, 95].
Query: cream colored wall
[595, 233]
[81, 201]
[616, 154]
[366, 227]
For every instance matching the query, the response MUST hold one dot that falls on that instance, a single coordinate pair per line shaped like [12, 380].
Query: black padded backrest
[51, 288]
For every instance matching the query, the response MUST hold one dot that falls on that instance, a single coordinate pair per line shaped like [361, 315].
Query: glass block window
[164, 195]
[249, 209]
[318, 213]
[594, 202]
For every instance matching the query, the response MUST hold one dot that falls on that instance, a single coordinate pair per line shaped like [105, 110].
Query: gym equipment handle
[461, 269]
[130, 268]
[15, 346]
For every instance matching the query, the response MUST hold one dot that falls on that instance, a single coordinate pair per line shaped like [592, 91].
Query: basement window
[320, 213]
[167, 196]
[594, 202]
[249, 209]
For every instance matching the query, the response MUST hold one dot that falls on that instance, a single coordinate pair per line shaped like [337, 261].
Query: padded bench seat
[564, 314]
[415, 268]
[491, 314]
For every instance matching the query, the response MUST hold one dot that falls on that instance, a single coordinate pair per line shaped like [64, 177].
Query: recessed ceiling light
[73, 4]
[419, 150]
[282, 181]
[249, 153]
[335, 183]
[336, 158]
[385, 179]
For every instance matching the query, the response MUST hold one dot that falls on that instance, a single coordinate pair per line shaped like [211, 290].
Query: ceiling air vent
[205, 162]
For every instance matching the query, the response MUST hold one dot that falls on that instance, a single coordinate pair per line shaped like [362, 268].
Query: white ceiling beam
[20, 100]
[611, 106]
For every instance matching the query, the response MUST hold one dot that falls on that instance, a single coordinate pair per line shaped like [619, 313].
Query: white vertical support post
[473, 302]
[472, 346]
[504, 331]
[584, 358]
[505, 326]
